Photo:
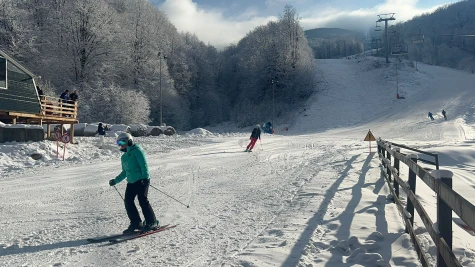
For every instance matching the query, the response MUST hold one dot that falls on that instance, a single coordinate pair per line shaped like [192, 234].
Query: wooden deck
[52, 112]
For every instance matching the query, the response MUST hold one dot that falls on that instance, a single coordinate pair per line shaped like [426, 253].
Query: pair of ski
[119, 238]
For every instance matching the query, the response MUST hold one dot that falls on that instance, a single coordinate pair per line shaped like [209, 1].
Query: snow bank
[199, 131]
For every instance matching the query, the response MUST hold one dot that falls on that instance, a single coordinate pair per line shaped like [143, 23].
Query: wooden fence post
[388, 168]
[444, 212]
[396, 166]
[412, 186]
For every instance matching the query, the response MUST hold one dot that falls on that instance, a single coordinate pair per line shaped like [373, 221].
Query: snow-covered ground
[312, 196]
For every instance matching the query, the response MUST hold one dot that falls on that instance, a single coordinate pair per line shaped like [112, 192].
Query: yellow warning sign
[369, 136]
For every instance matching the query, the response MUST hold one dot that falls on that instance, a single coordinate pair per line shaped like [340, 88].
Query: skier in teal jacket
[135, 169]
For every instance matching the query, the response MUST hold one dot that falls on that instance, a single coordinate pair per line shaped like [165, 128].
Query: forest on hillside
[445, 37]
[334, 42]
[120, 54]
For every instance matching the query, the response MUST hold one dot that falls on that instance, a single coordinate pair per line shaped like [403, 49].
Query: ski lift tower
[398, 48]
[386, 18]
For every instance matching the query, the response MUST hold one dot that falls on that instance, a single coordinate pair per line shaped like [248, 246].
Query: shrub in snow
[169, 131]
[138, 130]
[154, 131]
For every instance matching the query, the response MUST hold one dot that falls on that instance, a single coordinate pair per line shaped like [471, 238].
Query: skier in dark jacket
[135, 169]
[102, 132]
[430, 116]
[445, 114]
[256, 134]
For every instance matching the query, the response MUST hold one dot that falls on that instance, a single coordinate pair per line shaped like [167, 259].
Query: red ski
[127, 238]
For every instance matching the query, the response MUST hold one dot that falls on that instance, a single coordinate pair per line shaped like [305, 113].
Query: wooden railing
[52, 106]
[448, 200]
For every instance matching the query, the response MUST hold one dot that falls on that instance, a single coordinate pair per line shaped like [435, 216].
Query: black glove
[112, 182]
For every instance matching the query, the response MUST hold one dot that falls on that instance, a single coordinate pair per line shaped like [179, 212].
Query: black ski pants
[139, 189]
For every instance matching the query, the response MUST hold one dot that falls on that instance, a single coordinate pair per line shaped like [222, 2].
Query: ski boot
[151, 227]
[133, 227]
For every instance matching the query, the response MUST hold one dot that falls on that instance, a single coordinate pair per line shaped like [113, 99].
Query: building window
[3, 73]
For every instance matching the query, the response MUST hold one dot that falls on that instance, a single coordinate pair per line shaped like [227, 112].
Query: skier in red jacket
[256, 133]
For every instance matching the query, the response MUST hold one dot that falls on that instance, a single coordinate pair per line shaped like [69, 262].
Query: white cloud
[211, 25]
[362, 18]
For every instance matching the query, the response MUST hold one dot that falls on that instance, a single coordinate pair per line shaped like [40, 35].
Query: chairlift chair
[377, 28]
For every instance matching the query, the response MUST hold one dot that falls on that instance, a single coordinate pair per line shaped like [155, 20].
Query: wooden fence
[52, 106]
[440, 181]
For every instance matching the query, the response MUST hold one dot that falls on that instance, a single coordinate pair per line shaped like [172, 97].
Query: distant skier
[135, 169]
[256, 134]
[445, 114]
[430, 116]
[102, 132]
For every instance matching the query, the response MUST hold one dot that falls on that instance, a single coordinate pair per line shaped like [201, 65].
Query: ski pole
[170, 196]
[119, 193]
[261, 144]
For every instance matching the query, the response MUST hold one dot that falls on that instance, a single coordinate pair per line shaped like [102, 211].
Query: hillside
[363, 92]
[448, 35]
[334, 42]
[332, 33]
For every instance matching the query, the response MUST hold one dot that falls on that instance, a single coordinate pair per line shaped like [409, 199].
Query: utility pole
[386, 18]
[273, 104]
[161, 102]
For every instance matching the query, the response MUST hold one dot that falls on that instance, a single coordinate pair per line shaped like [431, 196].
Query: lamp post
[161, 114]
[273, 104]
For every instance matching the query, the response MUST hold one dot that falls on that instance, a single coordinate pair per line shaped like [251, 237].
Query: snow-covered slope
[361, 93]
[311, 197]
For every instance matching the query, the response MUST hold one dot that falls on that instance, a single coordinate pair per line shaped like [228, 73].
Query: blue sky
[221, 22]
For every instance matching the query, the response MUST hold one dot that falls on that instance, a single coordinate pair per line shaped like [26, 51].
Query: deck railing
[53, 106]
